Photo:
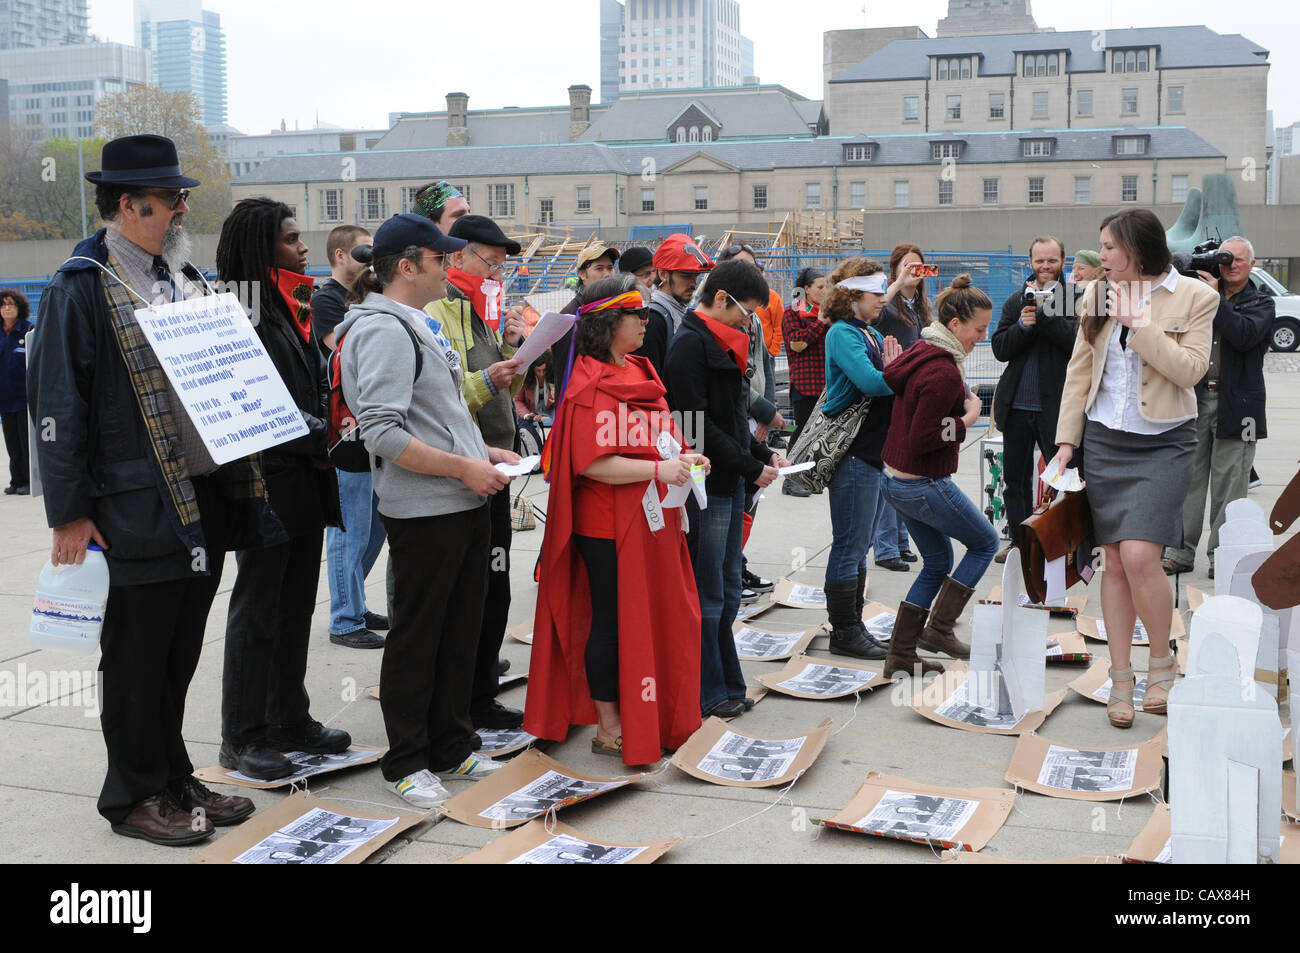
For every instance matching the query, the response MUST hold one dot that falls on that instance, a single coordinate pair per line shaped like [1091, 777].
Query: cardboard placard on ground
[870, 612]
[563, 844]
[799, 595]
[311, 766]
[754, 609]
[503, 793]
[963, 857]
[1140, 764]
[752, 641]
[1069, 648]
[1153, 846]
[523, 632]
[769, 761]
[962, 818]
[849, 680]
[1094, 685]
[1087, 627]
[323, 843]
[499, 742]
[1073, 605]
[938, 693]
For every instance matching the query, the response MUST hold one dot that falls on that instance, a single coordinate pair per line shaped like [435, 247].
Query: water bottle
[70, 600]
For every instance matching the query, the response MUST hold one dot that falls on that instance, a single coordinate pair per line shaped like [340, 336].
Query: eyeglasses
[749, 315]
[499, 268]
[171, 198]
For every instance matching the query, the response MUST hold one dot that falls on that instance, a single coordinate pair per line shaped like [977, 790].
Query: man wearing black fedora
[123, 467]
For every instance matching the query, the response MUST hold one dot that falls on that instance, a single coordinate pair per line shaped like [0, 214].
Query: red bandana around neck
[732, 340]
[471, 286]
[295, 291]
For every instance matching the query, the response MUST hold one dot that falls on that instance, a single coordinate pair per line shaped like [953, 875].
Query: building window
[1036, 147]
[997, 105]
[694, 134]
[901, 194]
[1130, 145]
[545, 211]
[911, 108]
[1083, 104]
[760, 197]
[943, 69]
[371, 204]
[858, 194]
[584, 199]
[701, 198]
[1036, 190]
[647, 200]
[706, 134]
[1040, 65]
[1178, 192]
[990, 191]
[1082, 190]
[1130, 102]
[681, 133]
[1175, 99]
[945, 150]
[501, 201]
[1052, 62]
[954, 107]
[1129, 189]
[1040, 104]
[945, 191]
[858, 153]
[813, 195]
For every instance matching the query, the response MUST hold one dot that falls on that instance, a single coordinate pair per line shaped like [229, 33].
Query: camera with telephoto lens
[1206, 256]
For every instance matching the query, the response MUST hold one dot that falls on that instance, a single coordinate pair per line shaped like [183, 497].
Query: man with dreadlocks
[264, 704]
[125, 469]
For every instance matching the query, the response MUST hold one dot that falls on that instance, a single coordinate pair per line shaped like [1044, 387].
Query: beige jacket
[1175, 353]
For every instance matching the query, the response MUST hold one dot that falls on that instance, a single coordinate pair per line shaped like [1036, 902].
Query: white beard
[176, 249]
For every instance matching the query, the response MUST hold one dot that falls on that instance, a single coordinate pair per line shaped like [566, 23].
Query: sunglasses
[733, 250]
[171, 198]
[641, 314]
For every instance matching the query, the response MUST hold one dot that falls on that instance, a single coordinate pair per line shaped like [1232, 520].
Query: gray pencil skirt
[1137, 482]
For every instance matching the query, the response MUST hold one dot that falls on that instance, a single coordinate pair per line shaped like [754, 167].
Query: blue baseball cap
[401, 232]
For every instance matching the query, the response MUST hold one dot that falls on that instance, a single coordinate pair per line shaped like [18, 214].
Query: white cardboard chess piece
[1236, 620]
[1271, 644]
[1008, 649]
[1293, 665]
[1225, 759]
[1244, 509]
[1238, 538]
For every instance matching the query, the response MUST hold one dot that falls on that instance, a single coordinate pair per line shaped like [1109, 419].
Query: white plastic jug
[70, 601]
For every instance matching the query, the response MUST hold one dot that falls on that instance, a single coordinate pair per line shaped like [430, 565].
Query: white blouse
[1119, 396]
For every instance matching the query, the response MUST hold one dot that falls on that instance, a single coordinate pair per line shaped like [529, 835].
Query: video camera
[1204, 257]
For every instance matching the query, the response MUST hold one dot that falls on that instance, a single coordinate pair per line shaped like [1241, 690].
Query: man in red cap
[679, 264]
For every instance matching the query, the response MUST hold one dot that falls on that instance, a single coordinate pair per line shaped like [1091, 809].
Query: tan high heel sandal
[1161, 673]
[1119, 709]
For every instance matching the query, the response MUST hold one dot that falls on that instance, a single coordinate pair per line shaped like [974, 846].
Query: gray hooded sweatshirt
[393, 407]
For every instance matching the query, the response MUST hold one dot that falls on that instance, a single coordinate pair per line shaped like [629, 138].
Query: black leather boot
[848, 634]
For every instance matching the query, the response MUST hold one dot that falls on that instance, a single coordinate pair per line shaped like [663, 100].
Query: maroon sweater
[929, 402]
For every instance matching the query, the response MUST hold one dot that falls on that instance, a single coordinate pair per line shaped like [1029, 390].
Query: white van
[1286, 323]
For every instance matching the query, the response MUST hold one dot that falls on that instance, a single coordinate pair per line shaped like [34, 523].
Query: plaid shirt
[807, 364]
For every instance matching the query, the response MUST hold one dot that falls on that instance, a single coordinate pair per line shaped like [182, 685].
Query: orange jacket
[771, 318]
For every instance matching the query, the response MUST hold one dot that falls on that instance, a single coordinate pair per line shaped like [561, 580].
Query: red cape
[658, 607]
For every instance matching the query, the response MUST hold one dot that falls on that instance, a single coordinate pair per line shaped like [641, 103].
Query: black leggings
[602, 644]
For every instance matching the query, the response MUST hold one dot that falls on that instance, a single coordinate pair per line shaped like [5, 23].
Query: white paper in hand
[550, 328]
[522, 468]
[796, 468]
[1067, 482]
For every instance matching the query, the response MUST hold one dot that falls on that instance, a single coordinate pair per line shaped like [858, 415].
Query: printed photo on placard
[900, 814]
[1082, 769]
[310, 764]
[318, 837]
[565, 849]
[739, 758]
[959, 707]
[880, 626]
[827, 680]
[756, 645]
[541, 795]
[503, 740]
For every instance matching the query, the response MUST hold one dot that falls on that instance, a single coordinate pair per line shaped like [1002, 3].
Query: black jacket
[303, 485]
[99, 462]
[701, 377]
[1242, 324]
[1049, 342]
[329, 305]
[655, 346]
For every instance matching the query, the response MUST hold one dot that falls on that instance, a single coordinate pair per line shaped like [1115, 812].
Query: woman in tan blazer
[1143, 343]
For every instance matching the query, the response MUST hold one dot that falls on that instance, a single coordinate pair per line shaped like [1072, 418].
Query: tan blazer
[1175, 352]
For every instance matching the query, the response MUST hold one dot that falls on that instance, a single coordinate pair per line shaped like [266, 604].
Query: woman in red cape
[644, 649]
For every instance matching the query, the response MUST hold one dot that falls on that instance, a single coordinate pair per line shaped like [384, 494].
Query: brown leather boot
[948, 604]
[902, 659]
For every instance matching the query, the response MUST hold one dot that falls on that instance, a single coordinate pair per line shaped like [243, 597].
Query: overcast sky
[352, 63]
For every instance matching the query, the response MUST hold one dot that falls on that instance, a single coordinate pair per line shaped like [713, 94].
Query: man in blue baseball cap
[433, 475]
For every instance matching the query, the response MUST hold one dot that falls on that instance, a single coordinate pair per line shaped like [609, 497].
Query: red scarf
[809, 308]
[295, 291]
[732, 340]
[471, 286]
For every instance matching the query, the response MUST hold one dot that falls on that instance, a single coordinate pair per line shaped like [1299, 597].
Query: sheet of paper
[1054, 575]
[227, 384]
[549, 329]
[796, 468]
[522, 468]
[1068, 482]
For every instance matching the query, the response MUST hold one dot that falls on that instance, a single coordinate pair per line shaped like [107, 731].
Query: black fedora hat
[147, 160]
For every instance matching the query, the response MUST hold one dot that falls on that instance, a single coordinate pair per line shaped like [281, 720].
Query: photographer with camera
[1035, 336]
[1229, 398]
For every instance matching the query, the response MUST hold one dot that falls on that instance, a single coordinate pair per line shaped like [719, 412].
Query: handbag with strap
[1056, 529]
[824, 440]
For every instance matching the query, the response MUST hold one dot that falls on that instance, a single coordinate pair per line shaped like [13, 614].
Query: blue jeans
[937, 512]
[350, 555]
[891, 531]
[854, 492]
[714, 543]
